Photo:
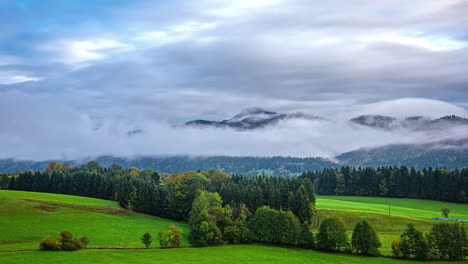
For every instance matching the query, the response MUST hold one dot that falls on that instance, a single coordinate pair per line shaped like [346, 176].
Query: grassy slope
[375, 210]
[24, 223]
[105, 229]
[245, 254]
[402, 207]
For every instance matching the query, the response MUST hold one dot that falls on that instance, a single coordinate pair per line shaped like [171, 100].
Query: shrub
[236, 233]
[84, 241]
[175, 239]
[164, 238]
[396, 249]
[65, 241]
[47, 243]
[170, 238]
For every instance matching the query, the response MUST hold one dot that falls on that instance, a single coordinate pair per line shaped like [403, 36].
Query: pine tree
[146, 239]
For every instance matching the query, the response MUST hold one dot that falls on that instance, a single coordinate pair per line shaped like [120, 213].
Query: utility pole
[389, 212]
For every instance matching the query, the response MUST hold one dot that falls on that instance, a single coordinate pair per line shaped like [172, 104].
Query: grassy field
[26, 217]
[402, 207]
[246, 254]
[403, 211]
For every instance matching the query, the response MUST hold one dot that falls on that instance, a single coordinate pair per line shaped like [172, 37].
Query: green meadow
[27, 217]
[413, 208]
[245, 254]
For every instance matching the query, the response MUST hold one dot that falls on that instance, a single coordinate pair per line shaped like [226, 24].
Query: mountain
[450, 154]
[376, 121]
[252, 118]
[277, 166]
[416, 123]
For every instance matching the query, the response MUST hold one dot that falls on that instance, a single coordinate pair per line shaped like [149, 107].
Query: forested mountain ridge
[279, 166]
[450, 154]
[414, 123]
[252, 118]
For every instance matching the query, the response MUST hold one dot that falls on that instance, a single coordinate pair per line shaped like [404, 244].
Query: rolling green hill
[403, 211]
[414, 208]
[26, 217]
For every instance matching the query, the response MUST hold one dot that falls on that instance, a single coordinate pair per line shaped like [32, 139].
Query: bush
[396, 249]
[64, 242]
[171, 238]
[236, 233]
[175, 239]
[332, 235]
[47, 243]
[84, 241]
[163, 237]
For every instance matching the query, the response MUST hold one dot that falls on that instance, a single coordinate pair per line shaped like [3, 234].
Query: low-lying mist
[37, 130]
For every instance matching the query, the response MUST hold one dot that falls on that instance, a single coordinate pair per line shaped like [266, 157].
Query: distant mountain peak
[377, 121]
[255, 111]
[453, 118]
[252, 118]
[412, 122]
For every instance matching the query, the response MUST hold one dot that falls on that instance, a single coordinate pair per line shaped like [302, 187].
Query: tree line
[400, 182]
[168, 195]
[222, 209]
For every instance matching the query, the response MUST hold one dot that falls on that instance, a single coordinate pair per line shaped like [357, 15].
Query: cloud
[142, 65]
[407, 107]
[34, 128]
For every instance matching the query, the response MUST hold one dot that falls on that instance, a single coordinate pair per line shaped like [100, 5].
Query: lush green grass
[245, 254]
[23, 223]
[403, 211]
[51, 197]
[402, 207]
[26, 217]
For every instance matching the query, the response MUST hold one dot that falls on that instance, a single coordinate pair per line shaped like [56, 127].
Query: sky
[75, 76]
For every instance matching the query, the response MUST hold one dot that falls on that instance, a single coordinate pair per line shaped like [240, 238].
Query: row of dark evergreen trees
[172, 196]
[435, 184]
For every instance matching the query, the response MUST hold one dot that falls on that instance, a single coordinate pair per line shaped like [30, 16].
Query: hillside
[451, 155]
[252, 118]
[232, 165]
[27, 217]
[107, 225]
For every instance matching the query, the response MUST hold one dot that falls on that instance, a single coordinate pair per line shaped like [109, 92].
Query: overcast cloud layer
[75, 77]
